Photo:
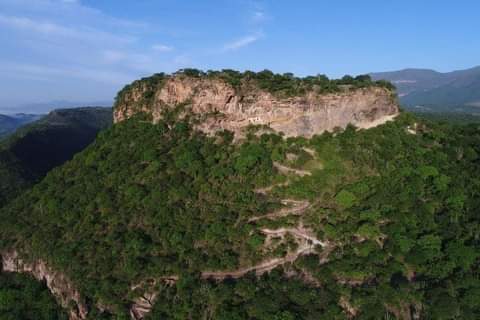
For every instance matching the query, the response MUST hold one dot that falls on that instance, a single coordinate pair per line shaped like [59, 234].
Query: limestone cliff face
[67, 296]
[306, 115]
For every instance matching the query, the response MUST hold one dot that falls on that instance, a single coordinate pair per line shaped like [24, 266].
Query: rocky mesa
[231, 100]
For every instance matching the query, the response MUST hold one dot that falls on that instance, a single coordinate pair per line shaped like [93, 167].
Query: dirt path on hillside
[307, 245]
[310, 151]
[305, 239]
[304, 248]
[298, 207]
[287, 170]
[299, 232]
[270, 188]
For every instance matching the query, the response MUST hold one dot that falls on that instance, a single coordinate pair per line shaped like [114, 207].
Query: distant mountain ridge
[45, 107]
[435, 91]
[28, 154]
[9, 123]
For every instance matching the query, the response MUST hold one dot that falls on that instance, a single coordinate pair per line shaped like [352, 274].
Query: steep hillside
[23, 297]
[434, 91]
[9, 123]
[233, 101]
[159, 220]
[32, 151]
[162, 221]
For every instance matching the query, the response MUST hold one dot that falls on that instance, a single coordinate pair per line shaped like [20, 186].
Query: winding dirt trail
[287, 170]
[306, 244]
[299, 232]
[298, 207]
[310, 151]
[304, 248]
[270, 188]
[305, 239]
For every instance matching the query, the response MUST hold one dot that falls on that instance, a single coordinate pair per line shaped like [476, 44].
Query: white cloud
[48, 28]
[28, 24]
[258, 17]
[71, 11]
[52, 73]
[162, 48]
[62, 43]
[113, 56]
[242, 42]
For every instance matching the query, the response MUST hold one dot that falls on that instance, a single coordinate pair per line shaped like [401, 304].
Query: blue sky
[86, 50]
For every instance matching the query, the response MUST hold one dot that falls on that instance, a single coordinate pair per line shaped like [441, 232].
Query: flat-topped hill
[232, 100]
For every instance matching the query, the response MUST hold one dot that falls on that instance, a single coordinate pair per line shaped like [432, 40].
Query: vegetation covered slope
[24, 298]
[388, 225]
[9, 123]
[35, 149]
[455, 118]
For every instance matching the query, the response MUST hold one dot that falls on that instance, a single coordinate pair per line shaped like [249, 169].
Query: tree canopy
[396, 211]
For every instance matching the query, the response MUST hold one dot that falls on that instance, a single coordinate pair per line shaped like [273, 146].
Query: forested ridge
[29, 153]
[395, 205]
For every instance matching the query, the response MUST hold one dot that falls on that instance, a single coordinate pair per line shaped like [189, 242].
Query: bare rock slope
[58, 284]
[223, 106]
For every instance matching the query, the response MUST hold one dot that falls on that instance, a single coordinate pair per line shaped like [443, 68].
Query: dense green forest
[395, 208]
[24, 298]
[270, 297]
[28, 154]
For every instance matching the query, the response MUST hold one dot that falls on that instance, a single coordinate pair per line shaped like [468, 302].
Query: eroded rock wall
[58, 284]
[305, 115]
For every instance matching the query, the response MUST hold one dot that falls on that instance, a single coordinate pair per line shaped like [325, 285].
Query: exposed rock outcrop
[233, 109]
[58, 284]
[142, 305]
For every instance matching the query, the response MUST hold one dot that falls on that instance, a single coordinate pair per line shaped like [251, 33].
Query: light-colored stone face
[296, 116]
[57, 283]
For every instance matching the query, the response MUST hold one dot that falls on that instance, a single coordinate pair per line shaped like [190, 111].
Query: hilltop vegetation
[287, 84]
[148, 191]
[394, 208]
[283, 85]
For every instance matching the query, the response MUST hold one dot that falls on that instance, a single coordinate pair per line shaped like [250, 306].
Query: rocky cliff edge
[222, 105]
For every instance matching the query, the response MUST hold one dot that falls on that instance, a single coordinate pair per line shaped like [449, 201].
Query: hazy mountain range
[429, 90]
[45, 107]
[9, 123]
